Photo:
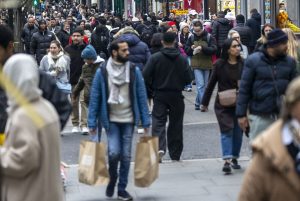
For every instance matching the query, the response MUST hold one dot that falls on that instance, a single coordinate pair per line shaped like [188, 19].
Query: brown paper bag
[92, 168]
[146, 161]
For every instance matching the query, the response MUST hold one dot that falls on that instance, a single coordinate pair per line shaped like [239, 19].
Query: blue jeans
[231, 142]
[201, 79]
[119, 137]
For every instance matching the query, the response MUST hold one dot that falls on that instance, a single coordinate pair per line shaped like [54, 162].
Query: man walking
[166, 73]
[28, 30]
[265, 78]
[255, 25]
[118, 99]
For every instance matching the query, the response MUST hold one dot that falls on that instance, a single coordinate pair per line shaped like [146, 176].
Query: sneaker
[161, 154]
[235, 165]
[110, 190]
[76, 129]
[85, 130]
[140, 130]
[124, 195]
[227, 168]
[189, 89]
[197, 107]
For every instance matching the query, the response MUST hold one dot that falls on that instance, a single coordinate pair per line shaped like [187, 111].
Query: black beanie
[240, 19]
[275, 37]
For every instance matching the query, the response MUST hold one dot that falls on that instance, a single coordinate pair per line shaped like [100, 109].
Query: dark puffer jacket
[245, 33]
[100, 40]
[257, 86]
[220, 29]
[139, 51]
[254, 23]
[40, 43]
[63, 36]
[27, 35]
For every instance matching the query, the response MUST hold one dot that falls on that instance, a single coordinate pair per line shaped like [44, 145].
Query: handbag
[227, 98]
[64, 87]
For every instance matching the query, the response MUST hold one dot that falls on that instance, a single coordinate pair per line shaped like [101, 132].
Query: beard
[122, 59]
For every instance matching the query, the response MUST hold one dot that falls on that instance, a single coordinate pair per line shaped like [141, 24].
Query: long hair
[292, 44]
[226, 46]
[263, 37]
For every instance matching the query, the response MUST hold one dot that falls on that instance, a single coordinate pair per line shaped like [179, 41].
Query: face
[31, 22]
[234, 49]
[69, 20]
[267, 30]
[185, 30]
[54, 49]
[236, 36]
[197, 31]
[174, 28]
[67, 27]
[172, 16]
[122, 54]
[77, 38]
[53, 23]
[82, 25]
[43, 26]
[280, 50]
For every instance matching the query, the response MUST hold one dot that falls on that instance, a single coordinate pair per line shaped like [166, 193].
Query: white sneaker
[76, 129]
[140, 130]
[85, 130]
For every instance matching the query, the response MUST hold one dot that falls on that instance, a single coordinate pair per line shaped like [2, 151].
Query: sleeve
[188, 73]
[23, 35]
[142, 99]
[148, 71]
[210, 86]
[23, 156]
[245, 90]
[188, 46]
[215, 31]
[79, 86]
[43, 64]
[33, 45]
[95, 100]
[211, 48]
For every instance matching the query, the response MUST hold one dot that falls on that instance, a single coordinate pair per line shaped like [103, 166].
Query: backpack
[147, 34]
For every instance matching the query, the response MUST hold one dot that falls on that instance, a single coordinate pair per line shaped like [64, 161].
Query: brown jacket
[30, 159]
[271, 175]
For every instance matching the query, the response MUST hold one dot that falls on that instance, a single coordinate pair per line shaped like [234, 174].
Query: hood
[171, 53]
[256, 16]
[99, 60]
[223, 21]
[131, 39]
[21, 72]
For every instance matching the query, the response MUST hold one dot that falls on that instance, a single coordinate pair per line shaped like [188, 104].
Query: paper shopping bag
[92, 168]
[146, 161]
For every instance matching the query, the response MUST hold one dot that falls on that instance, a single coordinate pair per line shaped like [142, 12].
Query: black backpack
[147, 34]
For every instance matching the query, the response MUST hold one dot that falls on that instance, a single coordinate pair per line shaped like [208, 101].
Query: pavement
[198, 176]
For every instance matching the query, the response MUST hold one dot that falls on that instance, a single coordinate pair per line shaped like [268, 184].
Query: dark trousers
[166, 104]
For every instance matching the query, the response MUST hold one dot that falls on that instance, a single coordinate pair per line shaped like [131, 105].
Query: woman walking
[227, 73]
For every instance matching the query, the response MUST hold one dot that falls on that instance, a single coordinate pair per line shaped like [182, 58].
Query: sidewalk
[178, 181]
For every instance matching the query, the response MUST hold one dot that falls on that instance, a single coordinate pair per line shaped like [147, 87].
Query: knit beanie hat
[182, 25]
[275, 37]
[89, 52]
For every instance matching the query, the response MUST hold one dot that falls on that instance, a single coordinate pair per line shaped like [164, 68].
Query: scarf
[118, 75]
[60, 64]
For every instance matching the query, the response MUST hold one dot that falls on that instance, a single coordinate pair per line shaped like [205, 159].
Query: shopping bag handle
[96, 137]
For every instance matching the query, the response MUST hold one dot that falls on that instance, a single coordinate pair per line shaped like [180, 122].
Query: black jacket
[257, 89]
[220, 29]
[3, 114]
[100, 40]
[167, 71]
[77, 62]
[254, 23]
[245, 33]
[40, 43]
[63, 36]
[27, 35]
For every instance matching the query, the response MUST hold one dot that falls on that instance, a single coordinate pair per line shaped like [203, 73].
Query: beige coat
[271, 175]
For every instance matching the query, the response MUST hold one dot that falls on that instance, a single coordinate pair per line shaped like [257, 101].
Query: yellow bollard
[2, 138]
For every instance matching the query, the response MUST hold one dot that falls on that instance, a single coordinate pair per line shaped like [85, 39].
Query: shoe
[161, 154]
[124, 195]
[189, 89]
[227, 168]
[235, 165]
[85, 130]
[110, 190]
[197, 107]
[140, 130]
[76, 129]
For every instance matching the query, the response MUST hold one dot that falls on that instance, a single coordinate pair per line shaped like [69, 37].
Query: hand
[199, 48]
[193, 47]
[244, 123]
[180, 44]
[92, 131]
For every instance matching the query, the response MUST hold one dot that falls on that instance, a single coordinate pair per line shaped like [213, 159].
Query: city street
[198, 177]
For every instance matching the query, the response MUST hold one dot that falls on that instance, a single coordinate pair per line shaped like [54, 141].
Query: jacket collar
[270, 143]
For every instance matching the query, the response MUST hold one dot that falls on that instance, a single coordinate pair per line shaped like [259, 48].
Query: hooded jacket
[100, 40]
[167, 70]
[254, 23]
[139, 51]
[220, 29]
[245, 33]
[31, 153]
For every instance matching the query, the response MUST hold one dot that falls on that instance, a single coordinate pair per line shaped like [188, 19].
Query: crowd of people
[118, 74]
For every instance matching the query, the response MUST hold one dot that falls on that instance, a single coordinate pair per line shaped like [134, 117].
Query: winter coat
[257, 90]
[139, 51]
[86, 79]
[220, 29]
[27, 35]
[3, 113]
[227, 77]
[271, 175]
[98, 107]
[40, 43]
[77, 62]
[245, 33]
[30, 157]
[100, 40]
[63, 36]
[54, 30]
[254, 23]
[167, 70]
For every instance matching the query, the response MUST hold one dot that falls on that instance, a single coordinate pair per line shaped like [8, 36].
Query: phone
[247, 131]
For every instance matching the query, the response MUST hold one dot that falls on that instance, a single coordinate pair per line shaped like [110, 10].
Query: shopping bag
[146, 161]
[92, 168]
